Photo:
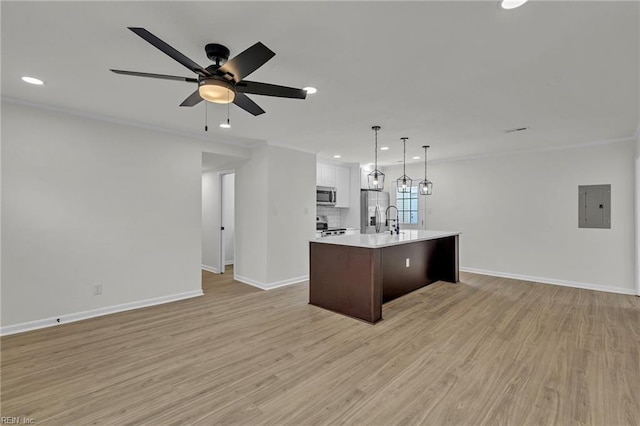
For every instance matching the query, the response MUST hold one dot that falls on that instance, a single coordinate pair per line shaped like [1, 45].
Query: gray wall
[86, 202]
[518, 214]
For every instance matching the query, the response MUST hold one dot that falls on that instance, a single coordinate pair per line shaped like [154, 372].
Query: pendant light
[425, 187]
[404, 182]
[376, 177]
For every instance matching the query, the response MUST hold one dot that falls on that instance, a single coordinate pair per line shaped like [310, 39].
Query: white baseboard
[564, 283]
[272, 285]
[210, 269]
[78, 316]
[228, 262]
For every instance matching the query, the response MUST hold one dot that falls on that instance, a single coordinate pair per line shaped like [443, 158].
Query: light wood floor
[485, 351]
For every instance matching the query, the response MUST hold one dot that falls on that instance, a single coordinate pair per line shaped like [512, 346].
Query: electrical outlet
[407, 263]
[97, 289]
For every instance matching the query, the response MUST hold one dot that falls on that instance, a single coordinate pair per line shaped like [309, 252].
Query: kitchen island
[355, 274]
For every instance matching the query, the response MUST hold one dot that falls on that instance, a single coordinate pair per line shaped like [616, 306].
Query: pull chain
[206, 118]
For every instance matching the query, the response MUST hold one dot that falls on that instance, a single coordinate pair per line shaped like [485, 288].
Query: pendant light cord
[425, 163]
[376, 153]
[404, 156]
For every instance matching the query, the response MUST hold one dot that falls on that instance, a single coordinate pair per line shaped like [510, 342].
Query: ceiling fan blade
[160, 76]
[193, 99]
[267, 89]
[247, 62]
[247, 104]
[168, 50]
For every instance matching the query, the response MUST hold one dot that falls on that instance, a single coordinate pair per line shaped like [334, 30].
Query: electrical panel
[594, 206]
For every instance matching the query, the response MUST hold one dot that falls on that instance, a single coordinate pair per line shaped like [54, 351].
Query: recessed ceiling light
[32, 80]
[310, 90]
[384, 148]
[225, 125]
[512, 4]
[337, 156]
[416, 158]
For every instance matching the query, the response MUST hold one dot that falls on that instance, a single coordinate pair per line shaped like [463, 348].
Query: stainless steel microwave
[325, 196]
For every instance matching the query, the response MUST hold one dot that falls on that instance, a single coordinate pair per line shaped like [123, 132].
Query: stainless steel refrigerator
[373, 208]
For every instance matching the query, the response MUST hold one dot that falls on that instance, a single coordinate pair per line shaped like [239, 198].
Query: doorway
[218, 199]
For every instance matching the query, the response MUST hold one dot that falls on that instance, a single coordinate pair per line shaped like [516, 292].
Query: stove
[322, 224]
[330, 232]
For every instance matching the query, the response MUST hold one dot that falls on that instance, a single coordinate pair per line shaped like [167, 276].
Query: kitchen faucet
[397, 219]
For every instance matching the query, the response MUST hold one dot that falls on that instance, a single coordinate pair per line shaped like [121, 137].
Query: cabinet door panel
[328, 175]
[343, 185]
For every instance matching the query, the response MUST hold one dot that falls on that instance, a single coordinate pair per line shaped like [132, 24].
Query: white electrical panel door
[594, 206]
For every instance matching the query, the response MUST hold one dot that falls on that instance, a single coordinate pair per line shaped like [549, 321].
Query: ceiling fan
[223, 81]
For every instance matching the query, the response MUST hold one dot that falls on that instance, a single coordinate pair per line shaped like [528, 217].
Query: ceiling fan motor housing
[217, 53]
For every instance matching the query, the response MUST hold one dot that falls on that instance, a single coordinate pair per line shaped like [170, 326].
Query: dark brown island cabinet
[355, 274]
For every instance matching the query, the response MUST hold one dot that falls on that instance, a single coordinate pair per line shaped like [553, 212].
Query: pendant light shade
[404, 182]
[375, 179]
[425, 187]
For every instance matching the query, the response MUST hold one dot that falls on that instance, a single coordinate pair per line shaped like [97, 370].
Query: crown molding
[239, 143]
[534, 150]
[293, 148]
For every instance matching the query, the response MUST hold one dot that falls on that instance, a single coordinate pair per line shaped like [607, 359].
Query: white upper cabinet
[325, 175]
[343, 185]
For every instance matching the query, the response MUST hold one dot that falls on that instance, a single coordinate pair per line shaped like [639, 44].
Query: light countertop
[386, 239]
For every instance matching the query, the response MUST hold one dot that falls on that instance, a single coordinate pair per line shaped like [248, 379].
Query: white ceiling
[454, 75]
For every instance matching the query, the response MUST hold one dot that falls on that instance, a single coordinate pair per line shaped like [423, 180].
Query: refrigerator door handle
[378, 217]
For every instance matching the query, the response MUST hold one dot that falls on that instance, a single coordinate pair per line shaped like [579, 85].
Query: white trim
[237, 142]
[228, 262]
[290, 281]
[564, 283]
[209, 269]
[531, 150]
[270, 286]
[78, 316]
[294, 148]
[637, 211]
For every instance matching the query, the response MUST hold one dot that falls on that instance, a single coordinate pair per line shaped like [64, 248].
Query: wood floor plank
[485, 351]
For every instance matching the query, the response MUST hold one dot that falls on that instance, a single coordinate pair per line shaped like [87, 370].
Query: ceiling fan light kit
[216, 90]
